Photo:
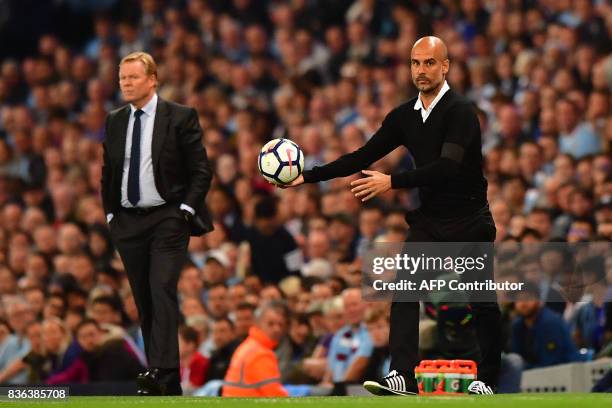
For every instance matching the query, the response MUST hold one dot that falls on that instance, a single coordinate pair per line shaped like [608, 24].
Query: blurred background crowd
[324, 74]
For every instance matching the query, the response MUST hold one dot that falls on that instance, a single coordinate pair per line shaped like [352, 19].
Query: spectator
[510, 135]
[31, 364]
[254, 371]
[577, 139]
[244, 319]
[351, 347]
[273, 249]
[294, 348]
[49, 341]
[224, 344]
[539, 220]
[377, 323]
[190, 283]
[217, 301]
[238, 294]
[5, 340]
[106, 310]
[17, 345]
[370, 225]
[588, 324]
[215, 268]
[539, 335]
[193, 364]
[99, 246]
[317, 248]
[102, 359]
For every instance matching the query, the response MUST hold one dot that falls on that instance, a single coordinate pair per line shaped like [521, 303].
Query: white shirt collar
[150, 107]
[419, 105]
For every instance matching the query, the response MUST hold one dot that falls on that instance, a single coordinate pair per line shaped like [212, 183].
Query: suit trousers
[404, 330]
[153, 248]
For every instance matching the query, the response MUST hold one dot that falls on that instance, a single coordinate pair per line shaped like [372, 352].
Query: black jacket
[180, 165]
[220, 361]
[446, 150]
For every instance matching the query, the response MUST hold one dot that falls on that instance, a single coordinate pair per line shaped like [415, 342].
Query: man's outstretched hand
[298, 181]
[369, 187]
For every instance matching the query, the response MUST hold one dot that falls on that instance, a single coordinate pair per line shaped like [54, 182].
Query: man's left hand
[369, 187]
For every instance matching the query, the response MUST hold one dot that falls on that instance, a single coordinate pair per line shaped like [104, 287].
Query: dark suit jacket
[180, 166]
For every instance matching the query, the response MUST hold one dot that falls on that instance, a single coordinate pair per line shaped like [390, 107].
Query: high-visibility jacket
[253, 370]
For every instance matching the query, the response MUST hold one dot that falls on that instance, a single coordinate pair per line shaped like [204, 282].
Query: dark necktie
[133, 188]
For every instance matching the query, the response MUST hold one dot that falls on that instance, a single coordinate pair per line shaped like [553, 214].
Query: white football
[281, 161]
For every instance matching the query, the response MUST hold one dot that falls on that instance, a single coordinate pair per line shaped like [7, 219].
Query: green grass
[510, 401]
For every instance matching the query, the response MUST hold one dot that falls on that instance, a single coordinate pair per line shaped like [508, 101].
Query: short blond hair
[145, 58]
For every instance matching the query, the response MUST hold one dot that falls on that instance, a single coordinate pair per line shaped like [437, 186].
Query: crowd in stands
[323, 74]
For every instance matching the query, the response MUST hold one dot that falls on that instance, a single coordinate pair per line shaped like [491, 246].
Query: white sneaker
[478, 387]
[393, 384]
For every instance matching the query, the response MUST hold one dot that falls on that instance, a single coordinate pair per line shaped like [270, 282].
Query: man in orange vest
[253, 370]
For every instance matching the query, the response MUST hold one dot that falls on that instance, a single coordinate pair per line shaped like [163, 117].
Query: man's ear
[445, 66]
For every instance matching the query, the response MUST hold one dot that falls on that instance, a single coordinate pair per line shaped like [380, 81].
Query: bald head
[431, 44]
[429, 65]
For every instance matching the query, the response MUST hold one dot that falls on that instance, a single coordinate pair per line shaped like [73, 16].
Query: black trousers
[404, 333]
[153, 248]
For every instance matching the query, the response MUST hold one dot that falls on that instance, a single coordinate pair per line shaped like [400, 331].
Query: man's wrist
[187, 208]
[187, 212]
[308, 176]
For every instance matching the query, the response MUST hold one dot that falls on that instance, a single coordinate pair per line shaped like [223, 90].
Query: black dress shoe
[148, 383]
[157, 381]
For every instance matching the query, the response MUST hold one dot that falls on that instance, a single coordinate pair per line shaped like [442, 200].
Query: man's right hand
[298, 181]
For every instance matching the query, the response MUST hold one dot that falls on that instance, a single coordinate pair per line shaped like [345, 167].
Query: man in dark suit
[154, 181]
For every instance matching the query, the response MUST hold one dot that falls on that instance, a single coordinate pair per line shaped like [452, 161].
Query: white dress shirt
[149, 196]
[426, 112]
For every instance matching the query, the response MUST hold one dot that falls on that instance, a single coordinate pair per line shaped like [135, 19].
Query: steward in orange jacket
[253, 370]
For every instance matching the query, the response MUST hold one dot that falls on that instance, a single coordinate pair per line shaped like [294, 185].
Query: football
[281, 161]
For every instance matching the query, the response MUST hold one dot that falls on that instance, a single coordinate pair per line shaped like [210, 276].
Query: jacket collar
[160, 129]
[256, 334]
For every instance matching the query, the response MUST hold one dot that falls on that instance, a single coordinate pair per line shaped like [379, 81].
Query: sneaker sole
[380, 390]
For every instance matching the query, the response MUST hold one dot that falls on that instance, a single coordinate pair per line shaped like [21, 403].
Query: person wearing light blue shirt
[12, 348]
[351, 346]
[575, 138]
[348, 344]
